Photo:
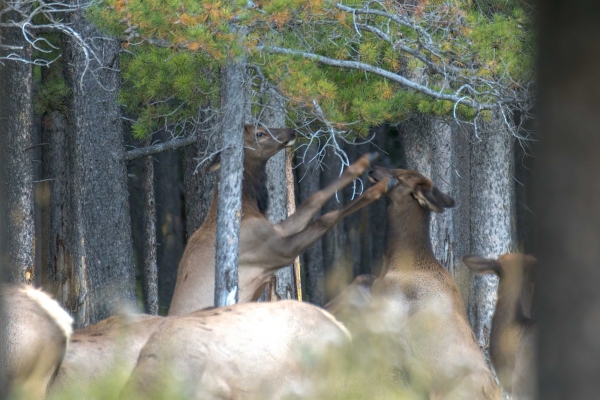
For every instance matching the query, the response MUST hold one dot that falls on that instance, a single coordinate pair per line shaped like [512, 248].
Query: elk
[512, 339]
[416, 303]
[105, 351]
[244, 351]
[36, 334]
[264, 247]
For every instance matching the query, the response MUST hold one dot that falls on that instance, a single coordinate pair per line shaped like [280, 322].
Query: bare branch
[159, 148]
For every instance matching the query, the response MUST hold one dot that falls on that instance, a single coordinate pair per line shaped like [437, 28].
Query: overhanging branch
[357, 65]
[159, 148]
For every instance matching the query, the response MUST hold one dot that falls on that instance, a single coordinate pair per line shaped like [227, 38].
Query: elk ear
[482, 266]
[431, 197]
[214, 164]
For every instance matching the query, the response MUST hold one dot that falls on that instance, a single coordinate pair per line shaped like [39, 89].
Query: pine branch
[357, 65]
[159, 148]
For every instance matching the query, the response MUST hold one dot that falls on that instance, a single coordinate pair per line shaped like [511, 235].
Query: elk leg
[295, 244]
[301, 218]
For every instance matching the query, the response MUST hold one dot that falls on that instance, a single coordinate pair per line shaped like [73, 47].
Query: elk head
[412, 186]
[260, 144]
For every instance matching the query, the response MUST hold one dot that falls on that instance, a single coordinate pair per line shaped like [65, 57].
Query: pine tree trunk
[198, 184]
[492, 216]
[567, 189]
[309, 182]
[283, 285]
[337, 270]
[150, 275]
[93, 266]
[230, 184]
[16, 167]
[170, 234]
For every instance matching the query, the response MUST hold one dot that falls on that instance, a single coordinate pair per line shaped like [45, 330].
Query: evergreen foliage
[174, 49]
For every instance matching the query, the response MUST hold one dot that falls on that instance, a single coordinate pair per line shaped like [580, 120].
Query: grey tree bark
[492, 216]
[283, 284]
[566, 194]
[90, 259]
[170, 234]
[150, 277]
[16, 169]
[230, 184]
[337, 267]
[309, 182]
[198, 184]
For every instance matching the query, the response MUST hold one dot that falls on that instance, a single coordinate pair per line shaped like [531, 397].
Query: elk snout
[378, 173]
[287, 136]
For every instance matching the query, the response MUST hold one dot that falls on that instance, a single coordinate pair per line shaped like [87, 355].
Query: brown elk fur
[426, 324]
[245, 351]
[264, 247]
[37, 332]
[512, 339]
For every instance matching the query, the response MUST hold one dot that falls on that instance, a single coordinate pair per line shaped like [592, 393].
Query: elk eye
[259, 134]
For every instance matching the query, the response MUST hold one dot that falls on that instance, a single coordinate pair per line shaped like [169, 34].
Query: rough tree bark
[150, 269]
[230, 184]
[283, 285]
[198, 184]
[16, 169]
[567, 189]
[492, 215]
[91, 265]
[309, 182]
[169, 235]
[337, 271]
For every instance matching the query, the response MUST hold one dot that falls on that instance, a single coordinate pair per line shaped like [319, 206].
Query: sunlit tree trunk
[230, 184]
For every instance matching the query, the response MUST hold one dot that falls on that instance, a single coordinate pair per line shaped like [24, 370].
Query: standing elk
[417, 304]
[512, 339]
[264, 247]
[244, 351]
[36, 335]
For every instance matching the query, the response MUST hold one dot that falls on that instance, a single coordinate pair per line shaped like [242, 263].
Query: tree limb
[357, 65]
[159, 148]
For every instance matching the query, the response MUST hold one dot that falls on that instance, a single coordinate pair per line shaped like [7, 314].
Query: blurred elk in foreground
[264, 247]
[101, 353]
[244, 351]
[512, 340]
[417, 309]
[36, 335]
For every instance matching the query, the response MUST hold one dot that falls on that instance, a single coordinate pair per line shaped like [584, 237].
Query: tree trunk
[492, 216]
[309, 182]
[16, 167]
[150, 275]
[169, 235]
[337, 267]
[566, 200]
[283, 285]
[230, 184]
[92, 261]
[198, 184]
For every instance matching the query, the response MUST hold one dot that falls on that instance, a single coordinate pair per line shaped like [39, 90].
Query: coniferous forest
[412, 168]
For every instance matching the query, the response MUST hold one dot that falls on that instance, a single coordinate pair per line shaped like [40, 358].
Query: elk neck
[255, 196]
[408, 242]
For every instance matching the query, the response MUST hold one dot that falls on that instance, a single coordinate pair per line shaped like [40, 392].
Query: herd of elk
[272, 350]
